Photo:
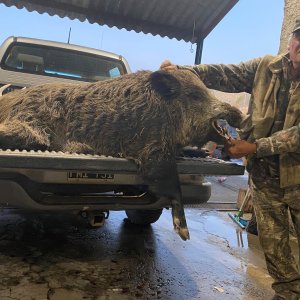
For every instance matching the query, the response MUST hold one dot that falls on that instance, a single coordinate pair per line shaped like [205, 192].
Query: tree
[291, 13]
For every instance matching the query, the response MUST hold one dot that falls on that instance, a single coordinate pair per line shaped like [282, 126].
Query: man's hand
[239, 148]
[168, 66]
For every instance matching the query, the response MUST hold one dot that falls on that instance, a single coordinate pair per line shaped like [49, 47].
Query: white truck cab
[26, 61]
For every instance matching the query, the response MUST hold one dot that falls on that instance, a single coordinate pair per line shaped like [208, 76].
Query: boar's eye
[166, 84]
[198, 93]
[195, 93]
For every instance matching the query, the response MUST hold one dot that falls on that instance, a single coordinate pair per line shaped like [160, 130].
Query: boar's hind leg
[20, 135]
[179, 220]
[166, 183]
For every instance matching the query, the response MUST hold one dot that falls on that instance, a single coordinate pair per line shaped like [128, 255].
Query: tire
[143, 217]
[196, 194]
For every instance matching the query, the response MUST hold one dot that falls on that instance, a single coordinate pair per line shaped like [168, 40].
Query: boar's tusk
[222, 131]
[2, 89]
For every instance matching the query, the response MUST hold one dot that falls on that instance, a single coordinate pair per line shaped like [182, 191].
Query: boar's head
[195, 107]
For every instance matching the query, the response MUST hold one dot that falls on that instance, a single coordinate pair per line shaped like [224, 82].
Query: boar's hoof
[182, 231]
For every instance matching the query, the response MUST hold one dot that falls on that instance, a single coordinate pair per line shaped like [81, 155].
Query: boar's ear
[165, 83]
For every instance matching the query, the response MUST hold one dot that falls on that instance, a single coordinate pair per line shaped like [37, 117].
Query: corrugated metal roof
[188, 20]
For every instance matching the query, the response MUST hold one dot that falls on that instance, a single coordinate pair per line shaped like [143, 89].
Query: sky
[251, 29]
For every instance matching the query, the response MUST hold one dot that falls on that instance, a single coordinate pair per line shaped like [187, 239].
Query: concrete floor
[57, 258]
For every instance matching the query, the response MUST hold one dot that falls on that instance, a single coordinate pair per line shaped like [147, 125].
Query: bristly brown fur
[121, 117]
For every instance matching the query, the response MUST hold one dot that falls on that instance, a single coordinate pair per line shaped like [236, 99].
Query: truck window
[59, 62]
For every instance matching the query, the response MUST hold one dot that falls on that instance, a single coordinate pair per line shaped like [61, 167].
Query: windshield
[64, 63]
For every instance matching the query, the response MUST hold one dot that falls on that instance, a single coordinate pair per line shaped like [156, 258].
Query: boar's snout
[234, 117]
[231, 114]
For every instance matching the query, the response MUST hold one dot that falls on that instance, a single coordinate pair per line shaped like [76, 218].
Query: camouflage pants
[272, 207]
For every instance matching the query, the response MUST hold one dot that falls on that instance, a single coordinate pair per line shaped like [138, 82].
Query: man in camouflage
[270, 139]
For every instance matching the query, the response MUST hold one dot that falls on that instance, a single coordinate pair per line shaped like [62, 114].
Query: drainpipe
[199, 52]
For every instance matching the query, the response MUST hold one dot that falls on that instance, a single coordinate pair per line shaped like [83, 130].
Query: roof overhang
[188, 20]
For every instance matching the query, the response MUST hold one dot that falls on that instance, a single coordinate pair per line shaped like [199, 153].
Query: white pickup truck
[89, 185]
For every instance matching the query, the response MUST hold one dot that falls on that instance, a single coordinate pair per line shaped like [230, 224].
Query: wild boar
[145, 116]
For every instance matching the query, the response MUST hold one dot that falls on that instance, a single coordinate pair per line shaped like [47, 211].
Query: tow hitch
[96, 219]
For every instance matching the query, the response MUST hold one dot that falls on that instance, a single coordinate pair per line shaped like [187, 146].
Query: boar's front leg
[163, 178]
[20, 135]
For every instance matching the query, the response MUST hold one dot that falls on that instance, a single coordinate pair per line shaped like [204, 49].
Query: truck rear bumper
[60, 181]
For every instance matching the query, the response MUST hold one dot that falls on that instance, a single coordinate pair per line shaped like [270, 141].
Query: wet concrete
[44, 260]
[59, 258]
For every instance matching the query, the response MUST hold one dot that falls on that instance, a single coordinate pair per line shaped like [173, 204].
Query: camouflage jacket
[262, 78]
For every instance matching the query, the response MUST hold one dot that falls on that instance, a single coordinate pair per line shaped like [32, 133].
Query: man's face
[294, 47]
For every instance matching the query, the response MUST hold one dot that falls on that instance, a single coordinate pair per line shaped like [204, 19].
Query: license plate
[90, 176]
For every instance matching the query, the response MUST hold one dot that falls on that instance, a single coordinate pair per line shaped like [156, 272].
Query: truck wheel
[196, 194]
[143, 217]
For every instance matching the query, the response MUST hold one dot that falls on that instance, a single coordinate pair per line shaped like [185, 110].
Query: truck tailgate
[14, 159]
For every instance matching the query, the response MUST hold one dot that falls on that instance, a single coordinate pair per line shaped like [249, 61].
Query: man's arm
[229, 78]
[280, 142]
